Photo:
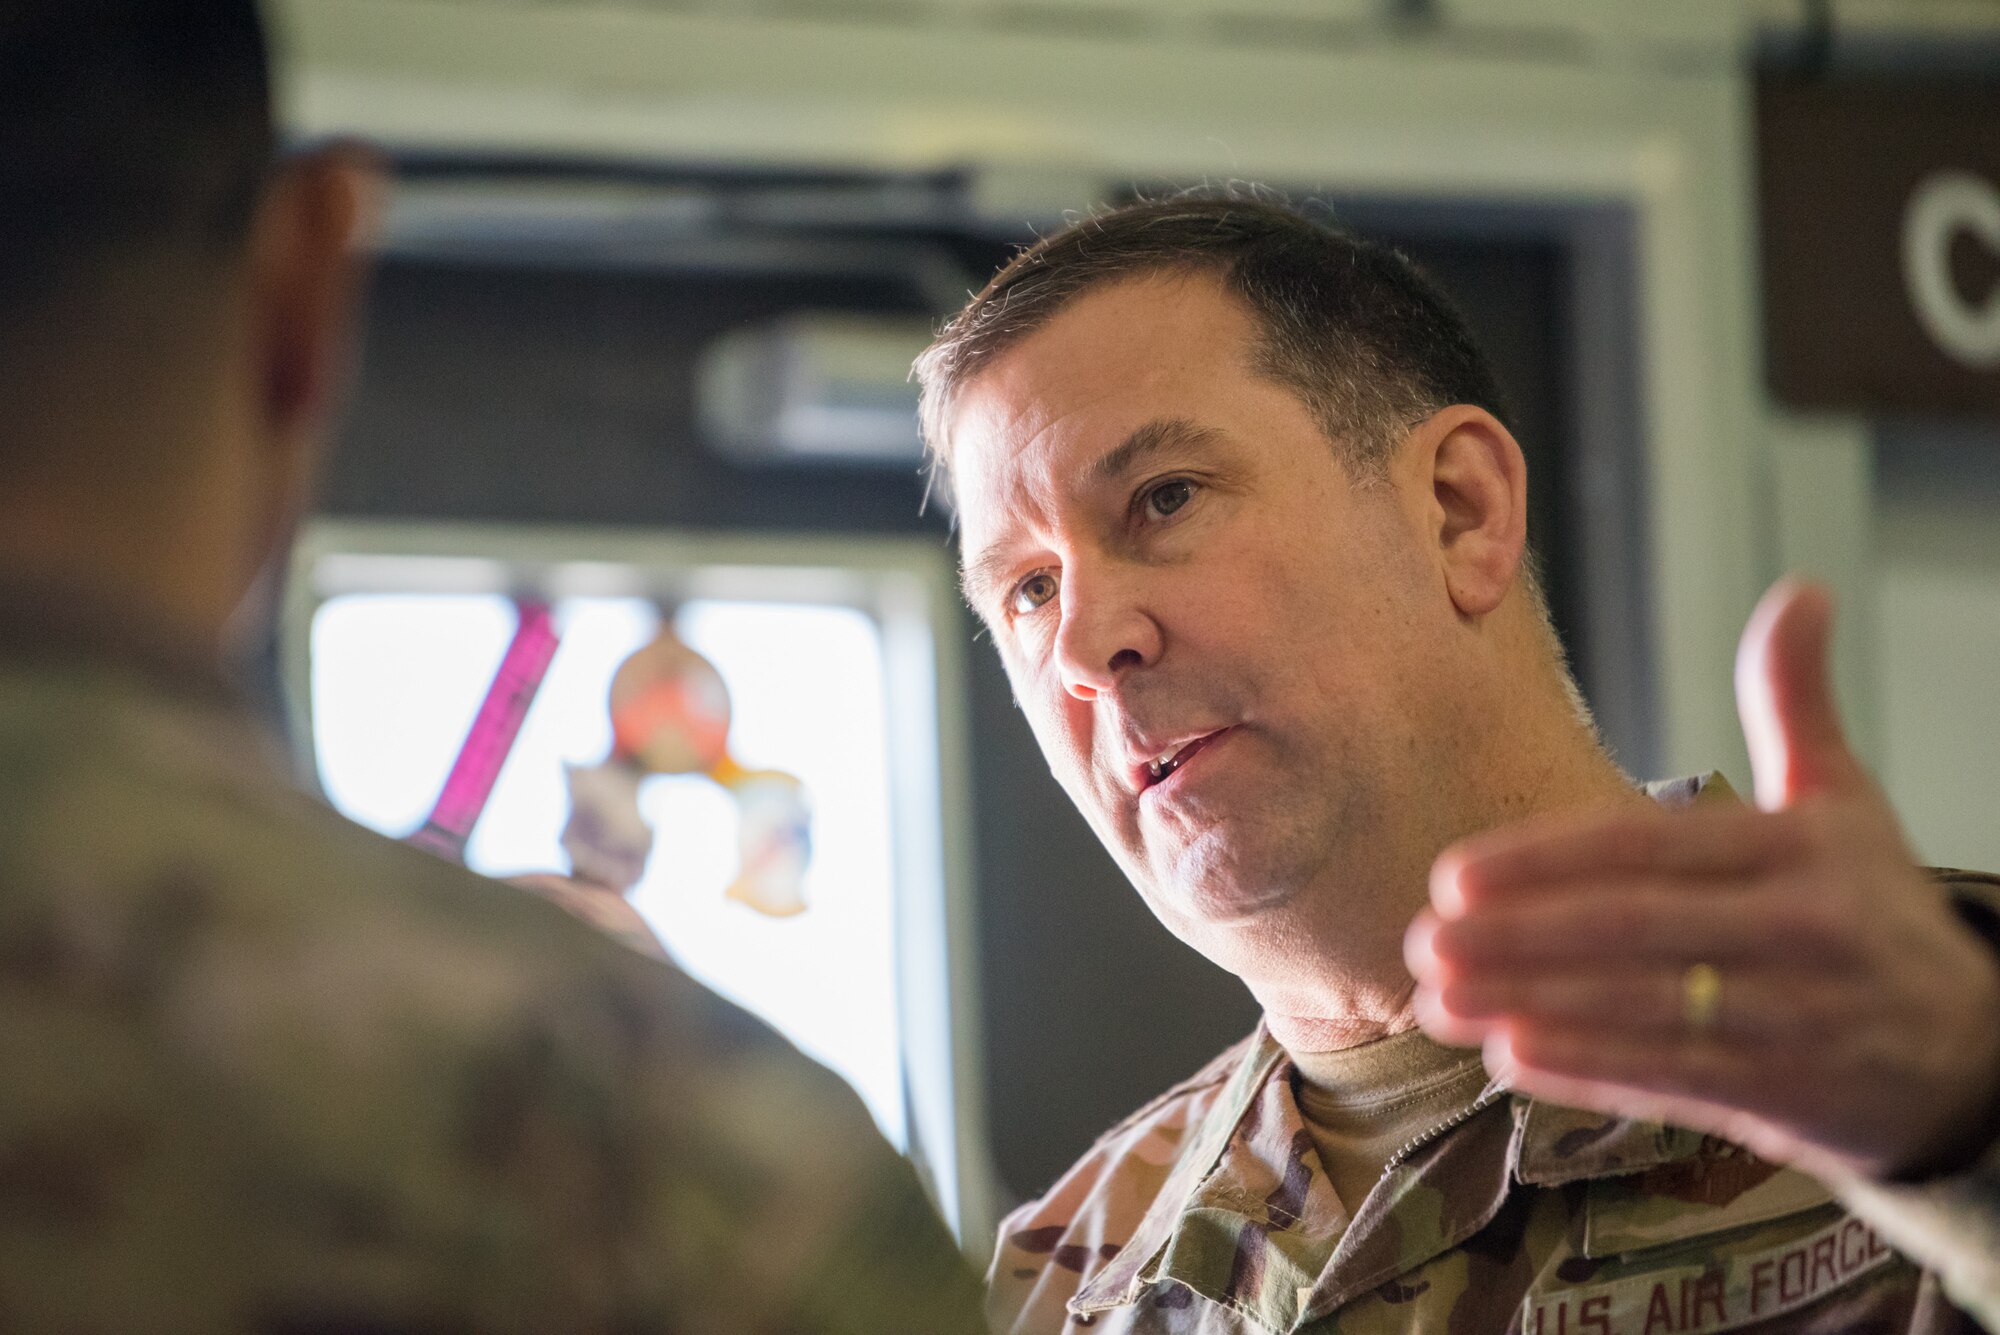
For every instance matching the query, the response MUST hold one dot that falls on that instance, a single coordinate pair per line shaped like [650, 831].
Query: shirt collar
[1709, 787]
[1248, 1219]
[1205, 1160]
[1561, 1145]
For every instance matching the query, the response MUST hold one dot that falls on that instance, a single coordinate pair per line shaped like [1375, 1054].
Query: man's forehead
[1113, 359]
[1020, 454]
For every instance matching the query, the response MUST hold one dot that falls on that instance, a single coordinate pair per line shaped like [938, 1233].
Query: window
[395, 636]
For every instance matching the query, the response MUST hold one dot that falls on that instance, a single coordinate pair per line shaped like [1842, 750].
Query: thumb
[1784, 695]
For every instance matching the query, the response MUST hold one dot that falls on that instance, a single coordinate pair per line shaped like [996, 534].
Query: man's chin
[1214, 883]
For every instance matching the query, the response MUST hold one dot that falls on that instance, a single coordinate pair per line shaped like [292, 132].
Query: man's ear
[1477, 503]
[308, 262]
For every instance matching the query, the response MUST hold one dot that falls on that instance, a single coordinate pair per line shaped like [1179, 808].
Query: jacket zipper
[1462, 1116]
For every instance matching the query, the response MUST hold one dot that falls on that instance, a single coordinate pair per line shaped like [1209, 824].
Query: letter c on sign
[1944, 204]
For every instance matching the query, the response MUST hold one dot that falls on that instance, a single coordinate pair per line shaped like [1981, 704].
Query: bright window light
[397, 678]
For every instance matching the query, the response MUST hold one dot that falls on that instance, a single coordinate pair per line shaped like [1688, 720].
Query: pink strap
[492, 736]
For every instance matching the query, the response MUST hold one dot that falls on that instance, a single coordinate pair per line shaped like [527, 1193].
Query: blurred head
[1239, 505]
[173, 300]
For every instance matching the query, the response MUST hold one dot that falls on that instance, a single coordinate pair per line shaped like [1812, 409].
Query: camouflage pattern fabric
[1207, 1213]
[1953, 1223]
[261, 1070]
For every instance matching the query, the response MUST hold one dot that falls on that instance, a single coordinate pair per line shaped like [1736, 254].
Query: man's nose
[1105, 632]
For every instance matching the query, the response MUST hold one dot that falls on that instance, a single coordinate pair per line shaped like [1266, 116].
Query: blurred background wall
[595, 191]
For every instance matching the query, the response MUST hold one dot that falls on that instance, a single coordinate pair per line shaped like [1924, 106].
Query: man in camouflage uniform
[261, 1070]
[1240, 508]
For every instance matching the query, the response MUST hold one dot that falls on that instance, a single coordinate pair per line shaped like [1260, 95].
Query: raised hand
[1784, 976]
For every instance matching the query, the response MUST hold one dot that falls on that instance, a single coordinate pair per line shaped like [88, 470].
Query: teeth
[1165, 765]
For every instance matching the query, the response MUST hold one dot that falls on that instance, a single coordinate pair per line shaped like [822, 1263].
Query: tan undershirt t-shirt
[1363, 1104]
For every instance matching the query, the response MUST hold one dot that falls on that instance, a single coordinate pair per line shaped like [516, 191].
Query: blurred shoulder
[303, 1023]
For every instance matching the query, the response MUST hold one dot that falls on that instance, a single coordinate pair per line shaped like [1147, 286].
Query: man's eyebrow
[1155, 437]
[979, 576]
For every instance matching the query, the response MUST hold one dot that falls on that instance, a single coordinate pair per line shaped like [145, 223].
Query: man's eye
[1168, 497]
[1032, 592]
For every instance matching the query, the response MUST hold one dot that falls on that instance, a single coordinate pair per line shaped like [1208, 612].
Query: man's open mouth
[1163, 767]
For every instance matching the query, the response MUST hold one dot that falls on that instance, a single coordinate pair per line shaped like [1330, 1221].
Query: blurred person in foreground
[261, 1070]
[1238, 502]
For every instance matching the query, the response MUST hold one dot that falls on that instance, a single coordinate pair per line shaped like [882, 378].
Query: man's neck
[1364, 993]
[78, 632]
[1307, 1033]
[175, 582]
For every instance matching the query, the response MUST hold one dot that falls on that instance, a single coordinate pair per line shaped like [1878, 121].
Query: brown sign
[1881, 245]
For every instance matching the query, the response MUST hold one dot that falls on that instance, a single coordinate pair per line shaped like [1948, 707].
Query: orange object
[669, 709]
[670, 714]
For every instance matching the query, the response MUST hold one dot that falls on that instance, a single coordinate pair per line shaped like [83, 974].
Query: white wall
[1937, 532]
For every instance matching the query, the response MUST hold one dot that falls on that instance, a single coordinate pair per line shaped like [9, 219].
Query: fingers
[1778, 924]
[1701, 845]
[1674, 1096]
[1688, 1067]
[1694, 1084]
[1611, 957]
[1648, 1004]
[1635, 922]
[1784, 695]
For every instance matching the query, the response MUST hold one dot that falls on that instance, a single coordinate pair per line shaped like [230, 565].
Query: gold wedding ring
[1701, 994]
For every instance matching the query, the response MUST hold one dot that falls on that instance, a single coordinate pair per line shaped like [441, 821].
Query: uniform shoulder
[297, 1011]
[1174, 1101]
[1140, 1136]
[1050, 1246]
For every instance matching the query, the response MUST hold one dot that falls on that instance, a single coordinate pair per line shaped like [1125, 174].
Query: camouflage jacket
[262, 1070]
[1207, 1212]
